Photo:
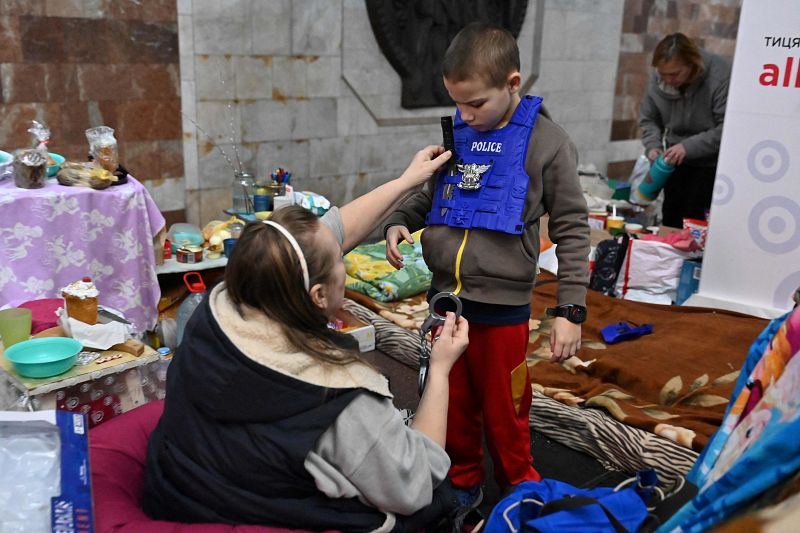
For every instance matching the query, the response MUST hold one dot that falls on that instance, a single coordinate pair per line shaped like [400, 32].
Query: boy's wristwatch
[574, 313]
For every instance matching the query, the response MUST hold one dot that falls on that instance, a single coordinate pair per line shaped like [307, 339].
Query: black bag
[608, 258]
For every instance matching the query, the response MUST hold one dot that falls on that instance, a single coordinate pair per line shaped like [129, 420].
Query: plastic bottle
[197, 291]
[652, 184]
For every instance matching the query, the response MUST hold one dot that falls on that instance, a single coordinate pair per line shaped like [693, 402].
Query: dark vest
[491, 184]
[233, 438]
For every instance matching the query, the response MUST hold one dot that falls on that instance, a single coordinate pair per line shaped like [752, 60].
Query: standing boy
[482, 243]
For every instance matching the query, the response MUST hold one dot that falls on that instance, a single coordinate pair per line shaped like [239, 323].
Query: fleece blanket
[593, 431]
[675, 382]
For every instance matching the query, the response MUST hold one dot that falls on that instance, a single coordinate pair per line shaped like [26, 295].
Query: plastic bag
[638, 174]
[42, 135]
[651, 272]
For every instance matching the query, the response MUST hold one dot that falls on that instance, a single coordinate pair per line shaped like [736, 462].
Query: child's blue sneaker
[466, 516]
[469, 497]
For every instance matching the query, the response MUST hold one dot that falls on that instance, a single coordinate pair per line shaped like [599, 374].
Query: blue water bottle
[655, 180]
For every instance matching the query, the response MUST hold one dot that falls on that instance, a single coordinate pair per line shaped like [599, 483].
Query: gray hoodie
[693, 118]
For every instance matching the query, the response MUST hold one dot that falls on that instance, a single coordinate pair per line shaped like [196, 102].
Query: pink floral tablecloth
[52, 236]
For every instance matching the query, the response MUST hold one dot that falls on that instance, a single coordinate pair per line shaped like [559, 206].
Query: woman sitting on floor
[272, 418]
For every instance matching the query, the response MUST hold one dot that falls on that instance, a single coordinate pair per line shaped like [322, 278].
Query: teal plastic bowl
[44, 357]
[52, 170]
[5, 158]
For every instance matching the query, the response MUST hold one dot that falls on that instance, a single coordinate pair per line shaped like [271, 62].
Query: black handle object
[573, 502]
[434, 319]
[449, 143]
[448, 138]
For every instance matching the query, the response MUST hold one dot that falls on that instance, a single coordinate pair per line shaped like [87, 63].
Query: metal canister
[189, 254]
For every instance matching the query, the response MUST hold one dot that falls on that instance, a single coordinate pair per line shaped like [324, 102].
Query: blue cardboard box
[689, 280]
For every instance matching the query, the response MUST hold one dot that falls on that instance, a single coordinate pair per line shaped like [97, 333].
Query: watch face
[577, 314]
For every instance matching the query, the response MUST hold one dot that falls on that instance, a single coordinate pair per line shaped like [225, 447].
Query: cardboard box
[689, 280]
[70, 510]
[364, 333]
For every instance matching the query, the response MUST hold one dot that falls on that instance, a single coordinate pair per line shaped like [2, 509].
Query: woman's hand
[450, 343]
[675, 154]
[424, 164]
[653, 154]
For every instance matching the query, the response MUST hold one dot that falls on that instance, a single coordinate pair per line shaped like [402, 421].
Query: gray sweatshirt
[693, 118]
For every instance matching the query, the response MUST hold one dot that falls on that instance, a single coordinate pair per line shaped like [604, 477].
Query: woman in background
[681, 118]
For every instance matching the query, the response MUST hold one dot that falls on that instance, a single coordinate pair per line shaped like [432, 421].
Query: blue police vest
[491, 184]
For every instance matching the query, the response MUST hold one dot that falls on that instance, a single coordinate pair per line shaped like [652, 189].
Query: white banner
[752, 257]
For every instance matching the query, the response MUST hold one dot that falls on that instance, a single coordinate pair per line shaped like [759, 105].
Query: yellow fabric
[519, 378]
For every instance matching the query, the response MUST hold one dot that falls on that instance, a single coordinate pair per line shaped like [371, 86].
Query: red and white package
[698, 229]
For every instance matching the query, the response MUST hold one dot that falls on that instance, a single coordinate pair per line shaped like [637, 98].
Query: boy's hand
[394, 236]
[425, 163]
[565, 339]
[450, 342]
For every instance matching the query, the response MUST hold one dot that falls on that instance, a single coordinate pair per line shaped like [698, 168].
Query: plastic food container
[183, 234]
[6, 165]
[44, 357]
[58, 160]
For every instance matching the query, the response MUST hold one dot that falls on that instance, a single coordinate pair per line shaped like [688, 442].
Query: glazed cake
[80, 299]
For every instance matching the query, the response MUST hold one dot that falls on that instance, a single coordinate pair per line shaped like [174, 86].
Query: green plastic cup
[15, 326]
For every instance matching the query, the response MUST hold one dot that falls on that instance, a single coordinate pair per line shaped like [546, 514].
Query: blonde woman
[681, 116]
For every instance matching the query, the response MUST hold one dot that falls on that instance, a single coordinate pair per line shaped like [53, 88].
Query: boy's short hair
[484, 51]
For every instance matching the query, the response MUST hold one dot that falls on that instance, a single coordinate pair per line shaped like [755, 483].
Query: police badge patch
[471, 174]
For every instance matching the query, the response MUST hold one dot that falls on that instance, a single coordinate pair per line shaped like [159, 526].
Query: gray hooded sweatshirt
[693, 117]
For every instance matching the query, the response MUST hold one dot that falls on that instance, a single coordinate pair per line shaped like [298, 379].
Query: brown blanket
[675, 382]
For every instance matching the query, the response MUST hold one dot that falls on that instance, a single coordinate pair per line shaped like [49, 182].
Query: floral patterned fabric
[369, 273]
[55, 235]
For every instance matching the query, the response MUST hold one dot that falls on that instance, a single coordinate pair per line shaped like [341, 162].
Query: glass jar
[242, 190]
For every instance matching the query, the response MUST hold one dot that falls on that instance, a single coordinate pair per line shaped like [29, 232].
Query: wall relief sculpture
[414, 34]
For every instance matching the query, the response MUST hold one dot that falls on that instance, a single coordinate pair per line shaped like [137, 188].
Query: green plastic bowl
[52, 170]
[44, 357]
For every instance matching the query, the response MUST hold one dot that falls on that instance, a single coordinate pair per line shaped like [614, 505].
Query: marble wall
[711, 23]
[303, 84]
[73, 64]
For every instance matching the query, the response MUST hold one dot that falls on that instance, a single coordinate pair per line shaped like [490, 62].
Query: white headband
[296, 247]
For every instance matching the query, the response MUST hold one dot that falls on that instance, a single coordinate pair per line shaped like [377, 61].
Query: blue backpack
[553, 506]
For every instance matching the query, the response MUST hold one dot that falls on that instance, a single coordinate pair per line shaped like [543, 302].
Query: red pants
[490, 389]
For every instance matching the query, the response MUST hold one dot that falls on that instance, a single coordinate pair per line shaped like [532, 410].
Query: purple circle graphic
[773, 242]
[757, 158]
[782, 297]
[776, 225]
[723, 190]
